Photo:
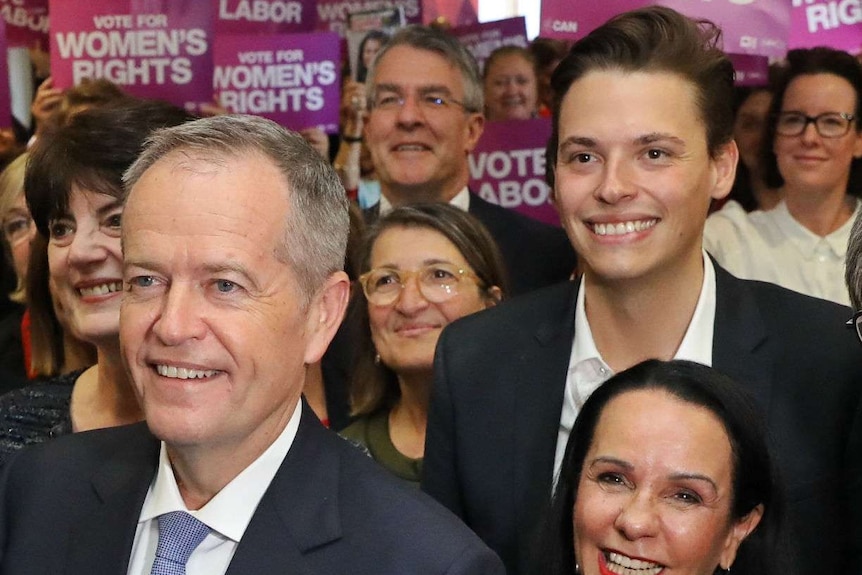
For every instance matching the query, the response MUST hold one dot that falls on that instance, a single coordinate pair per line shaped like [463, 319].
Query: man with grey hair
[233, 238]
[425, 105]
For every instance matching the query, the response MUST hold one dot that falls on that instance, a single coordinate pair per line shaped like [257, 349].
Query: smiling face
[511, 92]
[405, 332]
[653, 499]
[634, 178]
[86, 265]
[420, 153]
[810, 162]
[19, 231]
[215, 330]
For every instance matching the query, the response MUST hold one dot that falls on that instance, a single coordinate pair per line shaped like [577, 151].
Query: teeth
[411, 148]
[623, 565]
[183, 373]
[102, 289]
[623, 227]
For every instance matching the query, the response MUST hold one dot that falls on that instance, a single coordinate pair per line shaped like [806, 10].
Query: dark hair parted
[654, 39]
[754, 476]
[807, 61]
[374, 385]
[91, 151]
[378, 36]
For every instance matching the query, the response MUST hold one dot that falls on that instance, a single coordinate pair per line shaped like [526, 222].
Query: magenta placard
[5, 98]
[508, 167]
[153, 48]
[749, 26]
[482, 39]
[26, 22]
[264, 16]
[292, 79]
[835, 23]
[332, 14]
[455, 12]
[751, 69]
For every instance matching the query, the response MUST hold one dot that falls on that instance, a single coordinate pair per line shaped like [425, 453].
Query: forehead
[825, 92]
[406, 245]
[654, 428]
[408, 67]
[617, 105]
[510, 63]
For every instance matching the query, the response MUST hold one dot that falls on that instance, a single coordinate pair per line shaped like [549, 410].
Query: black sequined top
[35, 413]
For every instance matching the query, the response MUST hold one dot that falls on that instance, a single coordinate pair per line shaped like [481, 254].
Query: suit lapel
[102, 542]
[740, 340]
[300, 510]
[539, 389]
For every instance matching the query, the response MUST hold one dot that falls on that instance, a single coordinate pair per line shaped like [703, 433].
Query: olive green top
[372, 432]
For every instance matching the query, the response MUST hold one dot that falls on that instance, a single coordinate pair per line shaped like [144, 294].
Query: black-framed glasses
[828, 124]
[437, 282]
[855, 323]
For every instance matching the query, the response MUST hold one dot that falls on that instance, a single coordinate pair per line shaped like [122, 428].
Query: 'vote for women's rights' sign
[507, 167]
[292, 79]
[835, 23]
[153, 48]
[264, 16]
[26, 22]
[332, 14]
[482, 39]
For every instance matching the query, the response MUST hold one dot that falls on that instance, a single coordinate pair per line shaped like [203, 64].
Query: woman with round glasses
[814, 158]
[424, 266]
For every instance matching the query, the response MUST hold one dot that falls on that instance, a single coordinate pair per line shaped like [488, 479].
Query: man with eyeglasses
[424, 117]
[814, 160]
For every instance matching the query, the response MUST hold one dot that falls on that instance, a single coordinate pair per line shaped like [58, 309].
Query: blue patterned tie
[179, 536]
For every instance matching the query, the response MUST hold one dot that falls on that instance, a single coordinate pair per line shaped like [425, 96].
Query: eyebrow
[644, 140]
[427, 262]
[209, 269]
[108, 208]
[425, 89]
[679, 476]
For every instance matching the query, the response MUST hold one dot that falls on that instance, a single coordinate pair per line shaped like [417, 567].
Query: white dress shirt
[461, 200]
[587, 369]
[227, 514]
[772, 246]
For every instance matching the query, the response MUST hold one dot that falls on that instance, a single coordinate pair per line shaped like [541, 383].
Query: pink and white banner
[749, 26]
[835, 23]
[508, 167]
[292, 79]
[264, 16]
[332, 14]
[26, 22]
[153, 48]
[751, 69]
[482, 39]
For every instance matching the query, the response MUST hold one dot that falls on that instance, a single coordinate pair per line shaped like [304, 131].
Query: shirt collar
[696, 344]
[806, 241]
[461, 200]
[230, 511]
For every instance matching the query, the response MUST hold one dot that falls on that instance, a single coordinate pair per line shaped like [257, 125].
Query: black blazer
[498, 391]
[536, 254]
[71, 506]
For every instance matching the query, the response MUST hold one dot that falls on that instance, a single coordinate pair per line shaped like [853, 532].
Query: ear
[475, 126]
[493, 296]
[738, 532]
[325, 313]
[724, 169]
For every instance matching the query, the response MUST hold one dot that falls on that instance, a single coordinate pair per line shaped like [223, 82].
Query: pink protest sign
[26, 22]
[482, 39]
[5, 98]
[751, 69]
[332, 14]
[292, 79]
[153, 48]
[264, 16]
[835, 23]
[507, 167]
[455, 12]
[749, 26]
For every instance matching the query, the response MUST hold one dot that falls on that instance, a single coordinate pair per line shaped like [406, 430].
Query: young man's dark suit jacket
[498, 391]
[536, 254]
[71, 506]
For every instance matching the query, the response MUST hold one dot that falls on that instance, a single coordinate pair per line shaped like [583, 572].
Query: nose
[88, 247]
[638, 517]
[809, 134]
[411, 301]
[180, 318]
[410, 112]
[616, 185]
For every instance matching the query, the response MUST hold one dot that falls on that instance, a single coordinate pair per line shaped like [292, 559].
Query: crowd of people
[196, 300]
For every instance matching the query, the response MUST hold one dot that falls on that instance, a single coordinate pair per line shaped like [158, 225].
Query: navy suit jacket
[499, 382]
[536, 254]
[71, 506]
